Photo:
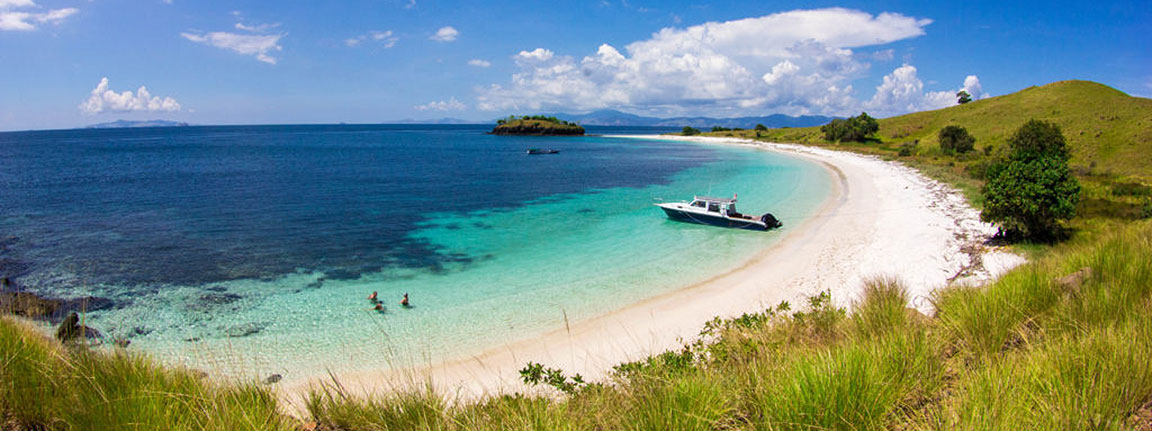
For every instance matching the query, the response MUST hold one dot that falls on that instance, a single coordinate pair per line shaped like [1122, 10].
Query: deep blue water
[197, 205]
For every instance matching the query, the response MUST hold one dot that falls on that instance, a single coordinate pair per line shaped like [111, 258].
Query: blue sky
[67, 63]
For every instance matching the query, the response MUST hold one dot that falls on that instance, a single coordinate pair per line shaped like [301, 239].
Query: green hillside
[1105, 128]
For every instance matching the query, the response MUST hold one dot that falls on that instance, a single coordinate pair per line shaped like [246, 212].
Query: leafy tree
[1032, 191]
[689, 131]
[963, 97]
[856, 129]
[720, 129]
[761, 128]
[956, 140]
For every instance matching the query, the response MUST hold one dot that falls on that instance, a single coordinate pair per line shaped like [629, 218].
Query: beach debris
[273, 378]
[1070, 284]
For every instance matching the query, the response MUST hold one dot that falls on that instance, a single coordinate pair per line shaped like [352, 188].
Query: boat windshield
[698, 204]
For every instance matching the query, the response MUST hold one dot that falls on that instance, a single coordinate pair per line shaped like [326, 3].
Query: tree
[856, 129]
[761, 128]
[963, 97]
[1032, 191]
[956, 140]
[689, 131]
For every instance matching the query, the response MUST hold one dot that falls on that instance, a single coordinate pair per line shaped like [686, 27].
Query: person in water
[372, 297]
[404, 302]
[379, 307]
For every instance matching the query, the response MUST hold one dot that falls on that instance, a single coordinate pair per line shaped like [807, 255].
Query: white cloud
[258, 45]
[24, 15]
[104, 99]
[796, 62]
[256, 28]
[445, 34]
[385, 38]
[447, 105]
[902, 91]
[479, 63]
[411, 4]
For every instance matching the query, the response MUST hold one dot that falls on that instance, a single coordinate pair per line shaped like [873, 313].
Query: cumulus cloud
[258, 45]
[104, 99]
[796, 62]
[479, 63]
[902, 91]
[25, 15]
[445, 34]
[447, 105]
[385, 38]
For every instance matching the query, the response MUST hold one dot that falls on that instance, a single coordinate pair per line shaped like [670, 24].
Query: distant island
[122, 124]
[536, 125]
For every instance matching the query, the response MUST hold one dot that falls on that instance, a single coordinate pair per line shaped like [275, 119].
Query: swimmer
[372, 297]
[404, 302]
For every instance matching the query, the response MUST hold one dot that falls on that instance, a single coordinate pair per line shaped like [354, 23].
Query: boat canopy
[716, 200]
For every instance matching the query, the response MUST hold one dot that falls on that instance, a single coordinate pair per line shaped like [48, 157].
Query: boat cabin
[722, 206]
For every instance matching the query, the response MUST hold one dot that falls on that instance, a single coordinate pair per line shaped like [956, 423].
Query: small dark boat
[717, 212]
[535, 151]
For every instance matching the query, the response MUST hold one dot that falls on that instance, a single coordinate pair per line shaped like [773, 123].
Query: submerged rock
[244, 330]
[272, 379]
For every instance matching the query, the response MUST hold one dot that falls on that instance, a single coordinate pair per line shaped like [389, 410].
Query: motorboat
[717, 212]
[535, 151]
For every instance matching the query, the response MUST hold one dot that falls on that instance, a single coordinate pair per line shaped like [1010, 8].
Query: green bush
[1030, 193]
[956, 140]
[761, 128]
[689, 131]
[854, 129]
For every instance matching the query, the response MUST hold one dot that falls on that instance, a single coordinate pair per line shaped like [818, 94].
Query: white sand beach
[881, 219]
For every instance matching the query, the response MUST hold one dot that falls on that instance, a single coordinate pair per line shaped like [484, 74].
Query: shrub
[855, 129]
[956, 140]
[1030, 193]
[720, 129]
[761, 128]
[689, 131]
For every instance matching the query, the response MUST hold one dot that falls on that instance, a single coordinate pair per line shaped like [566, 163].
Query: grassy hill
[1104, 127]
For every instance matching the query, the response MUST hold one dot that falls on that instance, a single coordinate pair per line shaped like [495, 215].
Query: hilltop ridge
[1105, 127]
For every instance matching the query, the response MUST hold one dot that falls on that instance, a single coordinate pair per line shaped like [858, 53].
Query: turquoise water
[502, 273]
[570, 256]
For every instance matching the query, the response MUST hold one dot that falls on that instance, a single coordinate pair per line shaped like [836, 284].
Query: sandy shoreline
[881, 219]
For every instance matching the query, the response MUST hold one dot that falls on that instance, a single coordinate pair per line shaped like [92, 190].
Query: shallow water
[251, 249]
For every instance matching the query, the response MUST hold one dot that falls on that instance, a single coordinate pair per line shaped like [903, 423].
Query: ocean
[251, 249]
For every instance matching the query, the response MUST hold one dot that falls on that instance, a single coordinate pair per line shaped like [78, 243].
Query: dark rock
[71, 329]
[272, 379]
[28, 304]
[1070, 284]
[192, 339]
[244, 330]
[209, 302]
[122, 342]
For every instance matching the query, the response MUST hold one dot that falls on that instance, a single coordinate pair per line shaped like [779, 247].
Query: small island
[536, 125]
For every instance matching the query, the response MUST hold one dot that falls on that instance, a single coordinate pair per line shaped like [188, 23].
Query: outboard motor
[770, 221]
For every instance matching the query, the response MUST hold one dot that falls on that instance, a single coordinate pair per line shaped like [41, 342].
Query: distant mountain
[609, 117]
[120, 124]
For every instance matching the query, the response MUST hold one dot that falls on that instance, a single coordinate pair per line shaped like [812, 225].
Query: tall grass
[47, 386]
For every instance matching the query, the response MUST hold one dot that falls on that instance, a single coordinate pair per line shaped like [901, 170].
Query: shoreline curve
[880, 219]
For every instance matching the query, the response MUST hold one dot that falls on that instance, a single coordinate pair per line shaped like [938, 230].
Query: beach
[882, 219]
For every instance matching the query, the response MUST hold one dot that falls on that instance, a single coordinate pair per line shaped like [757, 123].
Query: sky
[69, 63]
